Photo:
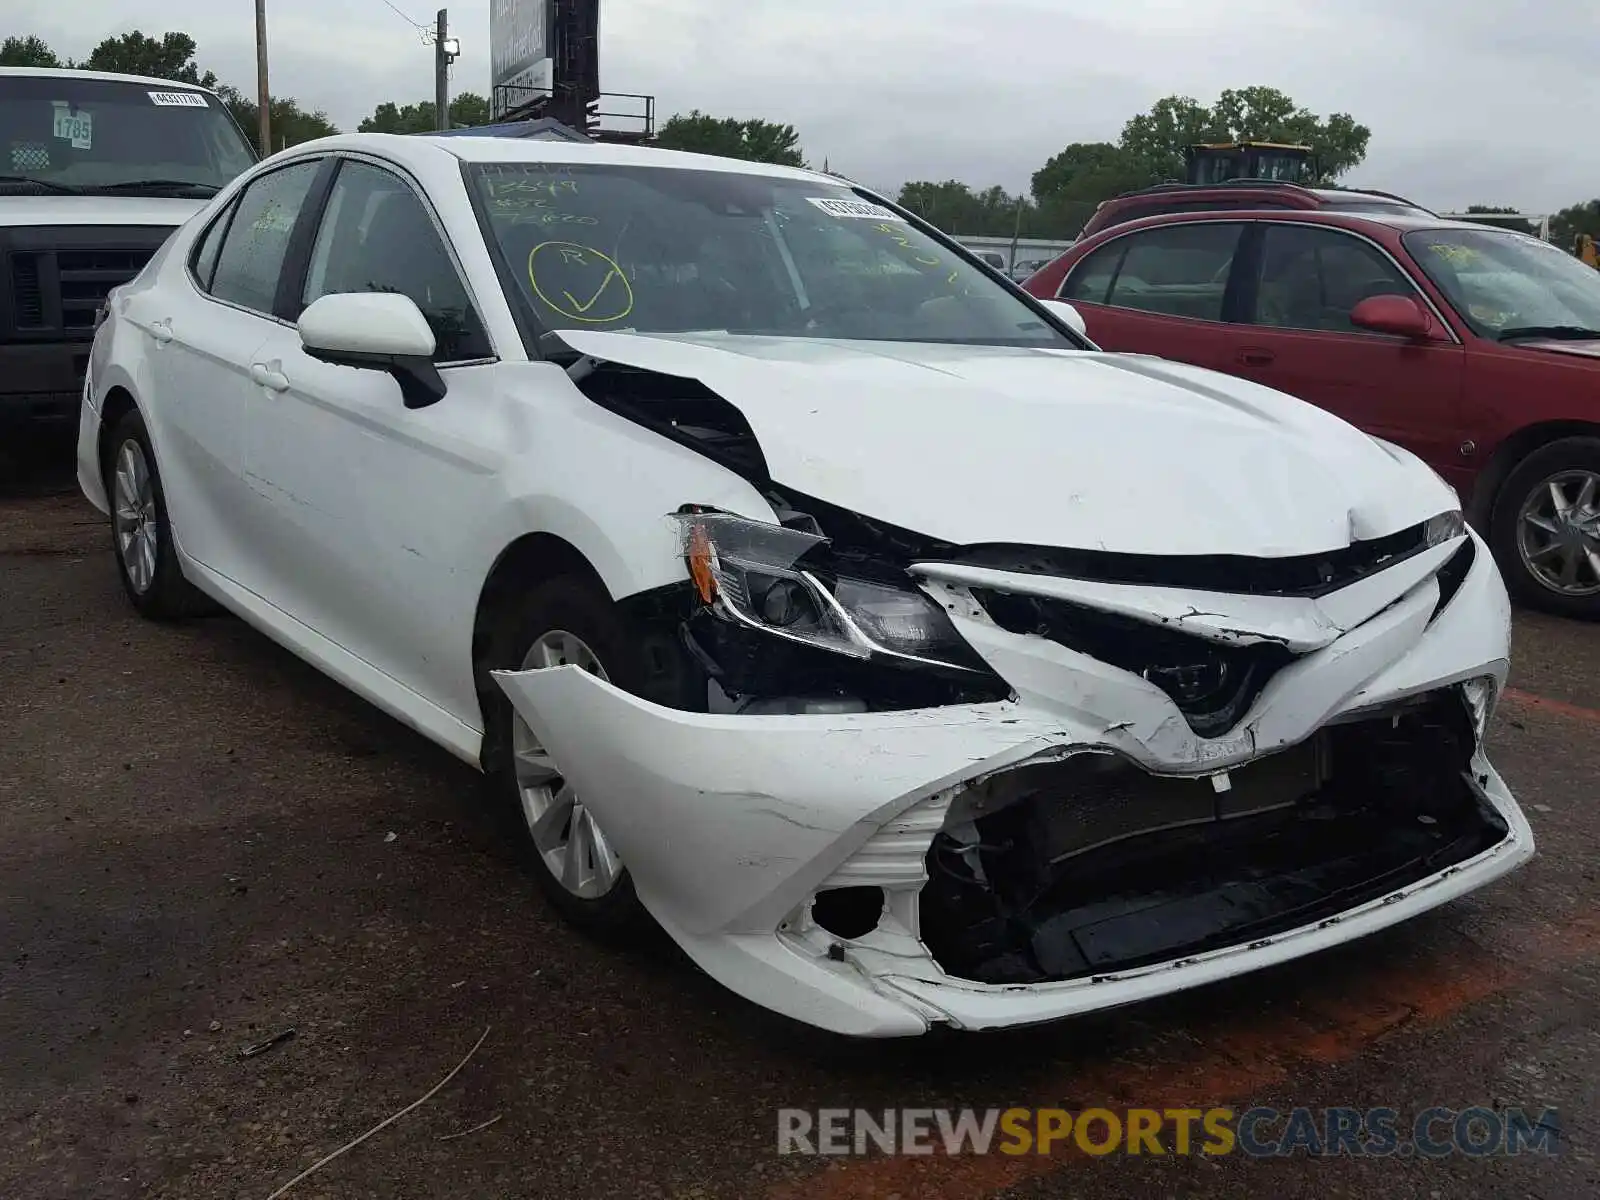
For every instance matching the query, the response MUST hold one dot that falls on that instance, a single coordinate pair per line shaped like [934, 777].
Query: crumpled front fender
[687, 799]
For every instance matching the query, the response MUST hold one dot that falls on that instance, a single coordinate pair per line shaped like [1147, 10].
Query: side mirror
[1399, 316]
[1067, 315]
[377, 331]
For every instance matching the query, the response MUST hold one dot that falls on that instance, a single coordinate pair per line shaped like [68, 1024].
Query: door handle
[268, 376]
[1254, 356]
[161, 331]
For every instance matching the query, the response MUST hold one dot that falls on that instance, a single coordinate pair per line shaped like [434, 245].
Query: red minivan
[1476, 348]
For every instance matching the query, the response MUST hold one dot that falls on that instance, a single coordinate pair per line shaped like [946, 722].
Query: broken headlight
[1446, 527]
[778, 580]
[1481, 695]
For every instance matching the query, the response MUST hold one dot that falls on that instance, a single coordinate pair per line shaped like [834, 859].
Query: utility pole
[263, 94]
[441, 70]
[1016, 233]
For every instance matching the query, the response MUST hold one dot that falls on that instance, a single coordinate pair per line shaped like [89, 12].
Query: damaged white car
[803, 583]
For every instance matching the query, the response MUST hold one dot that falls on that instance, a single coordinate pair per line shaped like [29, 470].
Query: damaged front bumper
[1077, 847]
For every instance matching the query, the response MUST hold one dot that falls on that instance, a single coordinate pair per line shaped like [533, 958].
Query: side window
[376, 236]
[1311, 277]
[1091, 279]
[252, 253]
[203, 259]
[1178, 270]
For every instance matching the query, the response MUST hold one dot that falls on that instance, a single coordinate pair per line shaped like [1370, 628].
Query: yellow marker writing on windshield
[597, 291]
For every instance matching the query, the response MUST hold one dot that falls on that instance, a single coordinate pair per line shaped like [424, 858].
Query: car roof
[165, 85]
[413, 148]
[1401, 222]
[1279, 188]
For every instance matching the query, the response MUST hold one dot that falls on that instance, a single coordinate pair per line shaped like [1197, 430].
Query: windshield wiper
[140, 185]
[1564, 333]
[44, 185]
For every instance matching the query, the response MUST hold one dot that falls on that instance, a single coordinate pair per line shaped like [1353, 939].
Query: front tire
[141, 528]
[1545, 530]
[564, 620]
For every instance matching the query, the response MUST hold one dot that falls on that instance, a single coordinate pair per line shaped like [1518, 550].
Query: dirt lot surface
[206, 843]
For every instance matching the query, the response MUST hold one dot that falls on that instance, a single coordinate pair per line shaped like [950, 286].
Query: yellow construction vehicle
[1218, 162]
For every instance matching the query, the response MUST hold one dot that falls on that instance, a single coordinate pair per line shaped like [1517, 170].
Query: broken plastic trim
[779, 581]
[1308, 575]
[1088, 865]
[1213, 684]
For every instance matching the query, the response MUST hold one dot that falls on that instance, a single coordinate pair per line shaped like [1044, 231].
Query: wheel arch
[526, 562]
[1511, 451]
[118, 403]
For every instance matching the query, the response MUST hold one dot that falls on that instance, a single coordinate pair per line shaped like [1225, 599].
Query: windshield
[667, 250]
[1500, 281]
[61, 133]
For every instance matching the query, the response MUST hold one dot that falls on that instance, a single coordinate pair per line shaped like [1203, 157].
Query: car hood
[974, 444]
[97, 210]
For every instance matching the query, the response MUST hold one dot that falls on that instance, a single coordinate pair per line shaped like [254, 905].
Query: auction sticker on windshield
[178, 99]
[76, 128]
[854, 208]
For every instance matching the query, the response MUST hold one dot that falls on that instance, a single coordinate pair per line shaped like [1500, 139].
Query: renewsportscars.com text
[1433, 1132]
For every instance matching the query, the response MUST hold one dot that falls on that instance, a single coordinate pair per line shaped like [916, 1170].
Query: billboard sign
[519, 46]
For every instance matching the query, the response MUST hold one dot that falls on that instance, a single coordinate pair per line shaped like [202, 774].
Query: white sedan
[806, 585]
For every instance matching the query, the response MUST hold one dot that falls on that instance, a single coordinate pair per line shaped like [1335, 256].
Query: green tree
[1567, 224]
[28, 51]
[752, 140]
[171, 57]
[1153, 142]
[955, 208]
[291, 125]
[1264, 114]
[1069, 186]
[1486, 210]
[468, 108]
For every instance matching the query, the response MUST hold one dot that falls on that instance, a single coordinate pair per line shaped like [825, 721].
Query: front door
[366, 497]
[1298, 338]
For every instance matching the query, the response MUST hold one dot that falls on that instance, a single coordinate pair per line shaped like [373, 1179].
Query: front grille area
[86, 277]
[1088, 865]
[27, 298]
[53, 281]
[1212, 684]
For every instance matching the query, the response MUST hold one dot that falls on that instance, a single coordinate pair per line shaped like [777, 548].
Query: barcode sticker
[179, 99]
[854, 208]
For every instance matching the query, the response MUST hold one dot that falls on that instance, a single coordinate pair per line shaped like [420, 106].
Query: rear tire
[1545, 529]
[564, 619]
[141, 528]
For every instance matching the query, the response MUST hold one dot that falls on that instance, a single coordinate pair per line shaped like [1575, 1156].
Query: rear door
[1301, 282]
[203, 338]
[1165, 291]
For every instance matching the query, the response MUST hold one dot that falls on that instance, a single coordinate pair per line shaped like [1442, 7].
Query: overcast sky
[1468, 103]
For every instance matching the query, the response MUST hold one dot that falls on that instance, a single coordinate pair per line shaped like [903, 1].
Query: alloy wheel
[1558, 533]
[137, 524]
[565, 833]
